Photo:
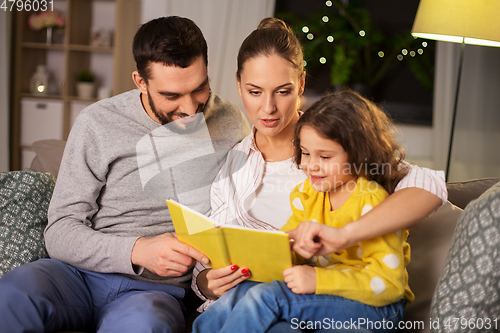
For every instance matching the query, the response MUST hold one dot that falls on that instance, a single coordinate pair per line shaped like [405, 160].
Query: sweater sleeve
[69, 235]
[372, 272]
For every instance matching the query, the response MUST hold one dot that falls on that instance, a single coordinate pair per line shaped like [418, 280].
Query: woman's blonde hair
[272, 36]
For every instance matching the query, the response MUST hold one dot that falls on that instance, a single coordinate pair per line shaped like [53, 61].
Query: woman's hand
[214, 283]
[316, 239]
[301, 279]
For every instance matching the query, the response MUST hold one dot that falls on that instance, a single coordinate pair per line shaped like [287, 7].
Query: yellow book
[265, 253]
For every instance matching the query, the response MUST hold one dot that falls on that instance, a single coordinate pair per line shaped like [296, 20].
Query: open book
[265, 253]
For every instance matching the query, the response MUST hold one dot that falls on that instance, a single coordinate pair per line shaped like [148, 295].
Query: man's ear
[238, 83]
[140, 82]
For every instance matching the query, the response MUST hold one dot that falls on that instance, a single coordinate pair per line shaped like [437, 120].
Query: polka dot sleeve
[373, 271]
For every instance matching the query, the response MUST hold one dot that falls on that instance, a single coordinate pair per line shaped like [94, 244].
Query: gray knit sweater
[118, 168]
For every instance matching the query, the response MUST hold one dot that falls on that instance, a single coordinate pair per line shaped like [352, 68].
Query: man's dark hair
[171, 41]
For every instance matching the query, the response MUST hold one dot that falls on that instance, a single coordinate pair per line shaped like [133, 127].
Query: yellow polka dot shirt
[371, 272]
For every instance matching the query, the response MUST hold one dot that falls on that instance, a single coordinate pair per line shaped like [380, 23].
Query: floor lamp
[460, 21]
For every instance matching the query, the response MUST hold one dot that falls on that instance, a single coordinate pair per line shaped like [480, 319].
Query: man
[116, 266]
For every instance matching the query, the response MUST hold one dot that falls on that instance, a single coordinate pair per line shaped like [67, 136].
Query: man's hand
[301, 279]
[165, 255]
[214, 283]
[316, 239]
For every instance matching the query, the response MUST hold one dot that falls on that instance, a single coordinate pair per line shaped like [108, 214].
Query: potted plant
[85, 84]
[342, 39]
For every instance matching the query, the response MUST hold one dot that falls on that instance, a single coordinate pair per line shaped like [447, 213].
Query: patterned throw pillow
[24, 200]
[467, 298]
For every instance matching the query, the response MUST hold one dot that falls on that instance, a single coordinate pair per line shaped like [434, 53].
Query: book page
[265, 253]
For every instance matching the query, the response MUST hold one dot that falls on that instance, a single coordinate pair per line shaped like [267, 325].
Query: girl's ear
[302, 82]
[238, 83]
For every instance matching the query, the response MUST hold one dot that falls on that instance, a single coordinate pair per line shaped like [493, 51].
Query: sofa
[25, 196]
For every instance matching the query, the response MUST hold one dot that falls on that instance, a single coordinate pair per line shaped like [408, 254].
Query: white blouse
[271, 201]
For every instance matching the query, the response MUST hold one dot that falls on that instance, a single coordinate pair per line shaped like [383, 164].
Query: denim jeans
[48, 295]
[255, 307]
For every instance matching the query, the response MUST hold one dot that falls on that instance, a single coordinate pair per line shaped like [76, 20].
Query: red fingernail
[244, 270]
[247, 275]
[233, 267]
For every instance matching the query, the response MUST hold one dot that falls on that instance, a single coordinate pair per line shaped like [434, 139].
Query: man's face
[175, 93]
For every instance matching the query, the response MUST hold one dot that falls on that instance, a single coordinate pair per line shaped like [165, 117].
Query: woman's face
[270, 88]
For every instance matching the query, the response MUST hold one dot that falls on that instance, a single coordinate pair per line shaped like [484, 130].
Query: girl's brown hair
[272, 36]
[363, 130]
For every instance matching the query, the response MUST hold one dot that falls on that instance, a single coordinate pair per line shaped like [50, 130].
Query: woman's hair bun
[273, 23]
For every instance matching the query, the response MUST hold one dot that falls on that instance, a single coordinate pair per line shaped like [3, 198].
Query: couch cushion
[463, 192]
[469, 286]
[429, 239]
[48, 156]
[24, 201]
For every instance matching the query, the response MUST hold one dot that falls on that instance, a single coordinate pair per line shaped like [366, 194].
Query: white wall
[225, 24]
[417, 142]
[4, 89]
[476, 144]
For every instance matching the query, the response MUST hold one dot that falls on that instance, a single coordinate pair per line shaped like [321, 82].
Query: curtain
[225, 24]
[476, 143]
[4, 89]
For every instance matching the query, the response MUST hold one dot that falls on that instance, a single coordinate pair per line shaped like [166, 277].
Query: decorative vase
[39, 82]
[85, 89]
[49, 36]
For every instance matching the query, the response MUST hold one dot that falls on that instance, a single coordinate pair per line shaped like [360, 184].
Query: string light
[310, 36]
[322, 60]
[330, 39]
[424, 44]
[325, 19]
[420, 51]
[362, 33]
[328, 3]
[404, 51]
[412, 53]
[305, 29]
[381, 54]
[400, 57]
[305, 63]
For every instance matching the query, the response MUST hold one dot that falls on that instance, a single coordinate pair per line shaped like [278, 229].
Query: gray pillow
[467, 298]
[24, 201]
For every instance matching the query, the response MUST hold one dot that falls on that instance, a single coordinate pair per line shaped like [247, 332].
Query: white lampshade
[472, 21]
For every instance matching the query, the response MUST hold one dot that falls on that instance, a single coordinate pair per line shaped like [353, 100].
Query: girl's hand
[214, 283]
[301, 279]
[316, 239]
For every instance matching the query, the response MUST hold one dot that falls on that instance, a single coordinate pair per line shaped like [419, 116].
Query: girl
[253, 187]
[345, 146]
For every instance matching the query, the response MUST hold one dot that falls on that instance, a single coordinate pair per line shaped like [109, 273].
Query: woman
[253, 187]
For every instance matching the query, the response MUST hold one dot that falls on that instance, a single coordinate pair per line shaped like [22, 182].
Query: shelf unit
[69, 52]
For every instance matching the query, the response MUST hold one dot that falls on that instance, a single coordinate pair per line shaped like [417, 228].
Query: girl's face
[270, 88]
[324, 161]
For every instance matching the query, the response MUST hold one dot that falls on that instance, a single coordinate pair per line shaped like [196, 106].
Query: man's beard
[175, 124]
